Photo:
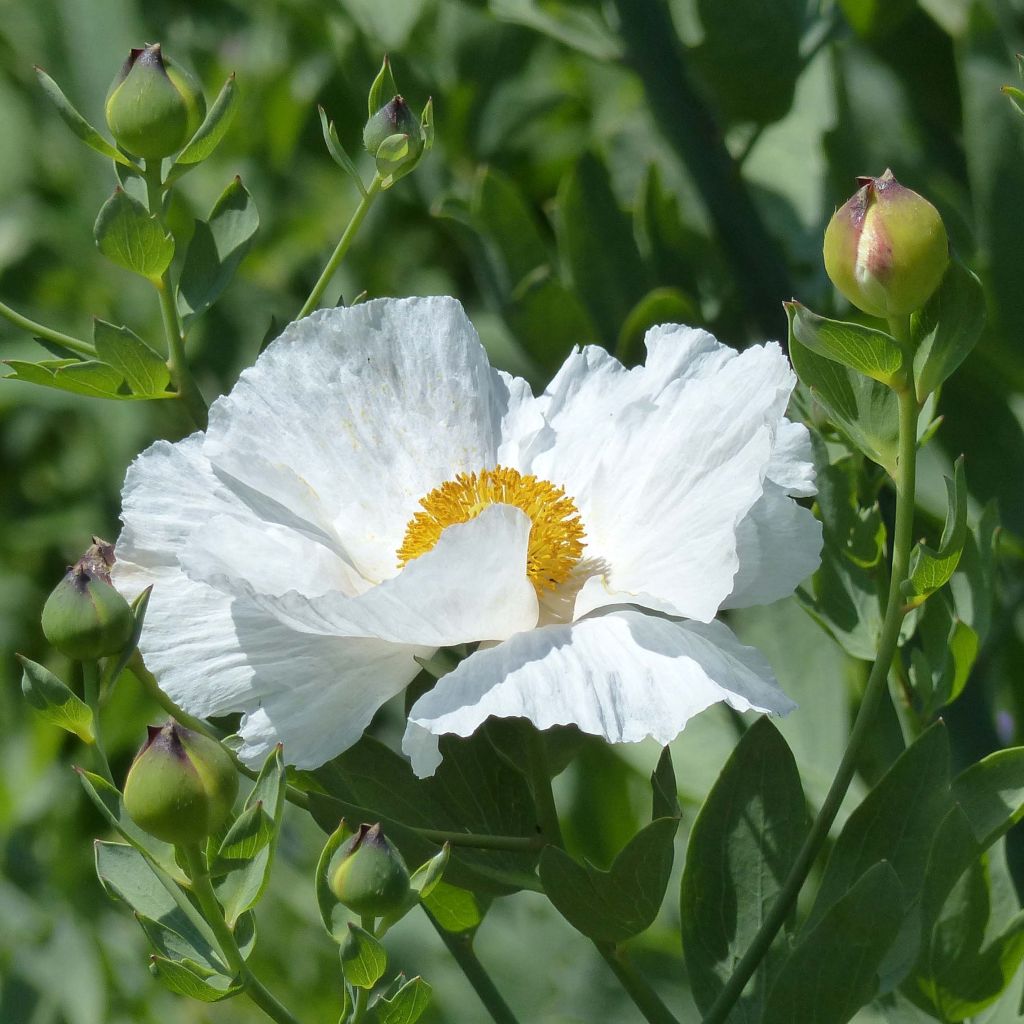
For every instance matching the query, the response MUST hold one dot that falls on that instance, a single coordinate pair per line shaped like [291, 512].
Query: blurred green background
[599, 167]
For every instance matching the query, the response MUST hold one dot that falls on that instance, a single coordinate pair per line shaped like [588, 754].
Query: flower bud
[85, 617]
[886, 248]
[368, 874]
[394, 118]
[154, 106]
[181, 785]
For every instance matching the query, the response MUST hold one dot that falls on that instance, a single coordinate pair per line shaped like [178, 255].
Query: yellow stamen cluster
[556, 538]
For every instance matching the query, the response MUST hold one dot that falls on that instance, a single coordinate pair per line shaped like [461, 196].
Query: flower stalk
[76, 345]
[91, 693]
[895, 611]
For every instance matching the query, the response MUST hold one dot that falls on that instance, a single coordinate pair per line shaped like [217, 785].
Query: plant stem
[91, 693]
[461, 948]
[83, 348]
[648, 1002]
[202, 887]
[540, 776]
[181, 375]
[874, 690]
[344, 243]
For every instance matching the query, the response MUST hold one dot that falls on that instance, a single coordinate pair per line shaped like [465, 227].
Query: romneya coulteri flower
[372, 490]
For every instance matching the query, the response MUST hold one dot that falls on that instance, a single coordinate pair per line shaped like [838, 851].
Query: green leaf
[426, 877]
[596, 240]
[870, 352]
[931, 569]
[660, 306]
[575, 26]
[991, 794]
[331, 913]
[948, 327]
[510, 226]
[548, 319]
[1016, 97]
[213, 129]
[382, 90]
[144, 369]
[217, 247]
[185, 981]
[456, 910]
[855, 530]
[337, 150]
[665, 803]
[139, 606]
[831, 972]
[741, 848]
[406, 1006]
[253, 842]
[363, 959]
[616, 904]
[128, 235]
[89, 377]
[941, 665]
[55, 702]
[78, 124]
[863, 410]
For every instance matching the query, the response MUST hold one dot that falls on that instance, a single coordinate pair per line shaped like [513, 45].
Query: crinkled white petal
[792, 463]
[472, 585]
[779, 547]
[624, 675]
[353, 415]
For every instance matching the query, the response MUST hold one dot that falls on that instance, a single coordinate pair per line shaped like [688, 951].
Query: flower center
[556, 537]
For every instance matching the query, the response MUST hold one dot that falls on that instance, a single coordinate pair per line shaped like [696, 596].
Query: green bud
[886, 248]
[368, 874]
[85, 617]
[154, 106]
[394, 118]
[181, 786]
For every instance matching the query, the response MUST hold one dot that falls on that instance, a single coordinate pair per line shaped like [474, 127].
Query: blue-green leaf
[930, 569]
[186, 981]
[144, 369]
[363, 959]
[213, 129]
[406, 1006]
[128, 235]
[55, 702]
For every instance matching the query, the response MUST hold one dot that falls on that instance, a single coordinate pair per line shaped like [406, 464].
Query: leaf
[213, 129]
[89, 377]
[327, 902]
[187, 982]
[407, 1005]
[741, 848]
[144, 370]
[870, 352]
[139, 606]
[217, 247]
[337, 150]
[991, 794]
[863, 410]
[264, 807]
[941, 665]
[948, 327]
[427, 876]
[78, 124]
[363, 959]
[665, 803]
[659, 306]
[931, 569]
[55, 702]
[831, 972]
[583, 30]
[382, 89]
[456, 910]
[616, 904]
[128, 235]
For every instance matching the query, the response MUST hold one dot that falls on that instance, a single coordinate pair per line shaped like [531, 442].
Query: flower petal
[353, 415]
[624, 675]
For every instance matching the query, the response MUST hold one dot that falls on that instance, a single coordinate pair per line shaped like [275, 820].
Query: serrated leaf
[217, 247]
[948, 327]
[185, 981]
[406, 1006]
[363, 959]
[54, 701]
[831, 972]
[930, 569]
[742, 846]
[213, 129]
[337, 150]
[128, 235]
[616, 904]
[144, 369]
[78, 124]
[870, 352]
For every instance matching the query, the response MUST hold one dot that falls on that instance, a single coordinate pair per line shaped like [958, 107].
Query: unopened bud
[886, 248]
[181, 786]
[154, 106]
[368, 874]
[85, 617]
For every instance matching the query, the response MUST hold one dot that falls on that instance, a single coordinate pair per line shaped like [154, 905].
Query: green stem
[83, 348]
[906, 475]
[540, 776]
[461, 948]
[646, 999]
[181, 375]
[202, 887]
[91, 693]
[342, 248]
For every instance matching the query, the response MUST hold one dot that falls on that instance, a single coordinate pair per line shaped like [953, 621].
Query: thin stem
[647, 1001]
[906, 475]
[91, 693]
[461, 948]
[202, 887]
[181, 375]
[540, 776]
[344, 243]
[83, 348]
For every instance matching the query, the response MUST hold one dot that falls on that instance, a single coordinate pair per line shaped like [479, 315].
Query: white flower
[372, 490]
